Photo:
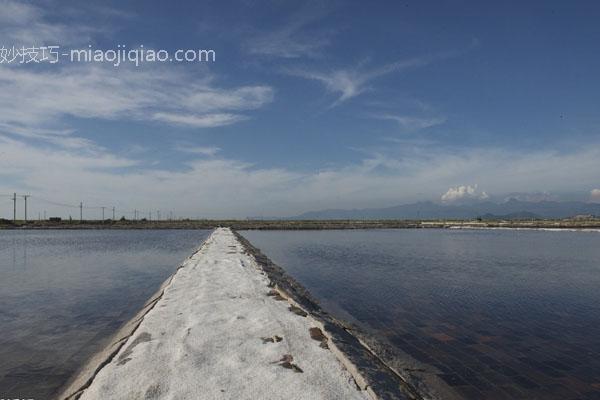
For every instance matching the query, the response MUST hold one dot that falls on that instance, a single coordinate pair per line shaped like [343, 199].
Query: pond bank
[225, 327]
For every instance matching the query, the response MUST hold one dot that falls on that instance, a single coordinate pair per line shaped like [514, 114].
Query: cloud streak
[24, 24]
[93, 91]
[351, 82]
[199, 121]
[200, 150]
[348, 83]
[412, 123]
[294, 39]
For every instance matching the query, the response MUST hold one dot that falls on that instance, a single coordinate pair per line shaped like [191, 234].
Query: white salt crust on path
[204, 340]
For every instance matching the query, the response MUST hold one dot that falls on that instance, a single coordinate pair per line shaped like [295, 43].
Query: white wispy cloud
[294, 38]
[24, 24]
[412, 123]
[22, 158]
[58, 137]
[595, 195]
[14, 12]
[348, 83]
[243, 98]
[200, 150]
[199, 121]
[99, 91]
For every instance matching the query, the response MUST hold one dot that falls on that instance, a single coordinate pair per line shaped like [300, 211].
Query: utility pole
[14, 207]
[25, 196]
[103, 213]
[113, 213]
[81, 211]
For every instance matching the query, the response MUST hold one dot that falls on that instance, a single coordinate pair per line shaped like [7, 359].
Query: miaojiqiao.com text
[116, 57]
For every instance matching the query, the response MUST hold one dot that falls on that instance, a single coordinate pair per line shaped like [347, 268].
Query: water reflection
[496, 314]
[63, 293]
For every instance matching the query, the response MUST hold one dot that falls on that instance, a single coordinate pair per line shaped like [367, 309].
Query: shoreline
[83, 377]
[373, 372]
[322, 377]
[549, 224]
[381, 364]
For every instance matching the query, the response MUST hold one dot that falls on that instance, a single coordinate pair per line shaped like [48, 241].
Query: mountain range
[511, 209]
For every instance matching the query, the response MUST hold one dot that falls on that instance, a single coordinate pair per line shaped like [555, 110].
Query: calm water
[63, 293]
[495, 314]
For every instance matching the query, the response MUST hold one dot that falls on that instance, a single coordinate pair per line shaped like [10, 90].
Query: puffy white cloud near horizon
[463, 192]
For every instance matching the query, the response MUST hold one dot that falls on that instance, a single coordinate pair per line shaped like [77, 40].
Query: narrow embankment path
[220, 332]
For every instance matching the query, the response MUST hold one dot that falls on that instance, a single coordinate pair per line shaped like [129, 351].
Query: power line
[55, 203]
[135, 213]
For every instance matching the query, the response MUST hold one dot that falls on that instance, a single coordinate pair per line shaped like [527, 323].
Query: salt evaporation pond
[495, 314]
[63, 293]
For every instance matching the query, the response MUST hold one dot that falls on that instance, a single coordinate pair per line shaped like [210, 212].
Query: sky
[306, 106]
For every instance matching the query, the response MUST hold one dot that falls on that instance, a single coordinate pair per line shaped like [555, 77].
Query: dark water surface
[496, 314]
[63, 293]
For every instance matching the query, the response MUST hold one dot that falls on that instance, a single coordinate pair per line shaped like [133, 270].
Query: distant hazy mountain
[511, 209]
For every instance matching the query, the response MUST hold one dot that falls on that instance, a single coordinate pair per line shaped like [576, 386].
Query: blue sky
[308, 105]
